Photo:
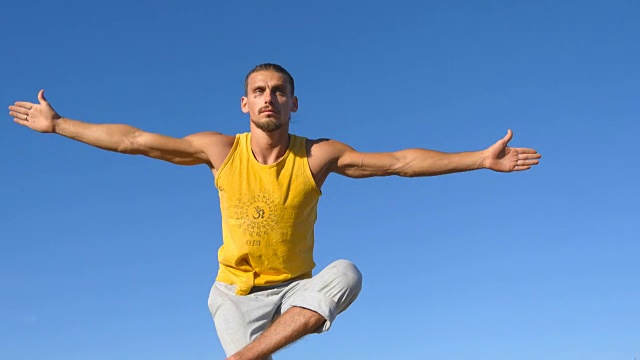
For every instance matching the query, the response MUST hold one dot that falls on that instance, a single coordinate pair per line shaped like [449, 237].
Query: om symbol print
[257, 214]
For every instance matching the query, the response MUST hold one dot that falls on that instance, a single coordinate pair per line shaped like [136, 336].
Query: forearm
[112, 137]
[421, 162]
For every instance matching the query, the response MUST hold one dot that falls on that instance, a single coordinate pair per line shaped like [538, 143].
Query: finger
[525, 150]
[19, 109]
[21, 122]
[41, 97]
[529, 156]
[527, 162]
[19, 115]
[522, 168]
[24, 104]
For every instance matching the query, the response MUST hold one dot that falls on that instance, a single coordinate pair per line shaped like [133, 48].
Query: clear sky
[108, 256]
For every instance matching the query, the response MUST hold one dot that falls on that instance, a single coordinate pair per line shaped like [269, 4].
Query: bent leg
[291, 326]
[328, 293]
[240, 319]
[308, 306]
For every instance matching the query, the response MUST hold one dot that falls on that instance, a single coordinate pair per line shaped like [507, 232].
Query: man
[269, 183]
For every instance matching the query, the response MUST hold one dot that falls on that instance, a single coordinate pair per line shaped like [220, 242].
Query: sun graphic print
[257, 215]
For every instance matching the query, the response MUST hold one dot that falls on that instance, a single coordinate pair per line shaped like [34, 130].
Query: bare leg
[289, 327]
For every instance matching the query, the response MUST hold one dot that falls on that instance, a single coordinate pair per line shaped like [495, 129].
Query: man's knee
[347, 282]
[350, 277]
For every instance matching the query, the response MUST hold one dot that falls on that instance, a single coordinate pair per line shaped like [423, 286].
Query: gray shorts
[240, 319]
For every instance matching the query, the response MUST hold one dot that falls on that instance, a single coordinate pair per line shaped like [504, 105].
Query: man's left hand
[502, 158]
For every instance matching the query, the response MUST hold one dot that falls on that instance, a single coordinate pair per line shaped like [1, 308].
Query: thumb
[41, 97]
[505, 140]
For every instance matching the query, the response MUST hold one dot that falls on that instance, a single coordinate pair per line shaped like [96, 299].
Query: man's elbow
[132, 143]
[401, 165]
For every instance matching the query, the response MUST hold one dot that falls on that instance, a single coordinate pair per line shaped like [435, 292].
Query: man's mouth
[268, 111]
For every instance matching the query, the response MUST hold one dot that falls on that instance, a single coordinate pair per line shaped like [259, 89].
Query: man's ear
[244, 106]
[294, 106]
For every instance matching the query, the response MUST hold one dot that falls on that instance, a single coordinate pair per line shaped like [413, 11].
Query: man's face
[269, 102]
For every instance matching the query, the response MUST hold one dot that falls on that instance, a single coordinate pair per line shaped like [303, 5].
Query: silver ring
[26, 117]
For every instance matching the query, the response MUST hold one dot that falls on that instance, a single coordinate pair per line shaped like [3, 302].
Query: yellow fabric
[268, 214]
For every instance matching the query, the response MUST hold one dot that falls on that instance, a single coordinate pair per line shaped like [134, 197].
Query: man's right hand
[39, 117]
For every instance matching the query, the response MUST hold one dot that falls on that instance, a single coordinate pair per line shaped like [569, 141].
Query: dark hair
[268, 67]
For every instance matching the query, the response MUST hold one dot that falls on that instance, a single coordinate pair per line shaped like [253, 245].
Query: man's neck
[268, 148]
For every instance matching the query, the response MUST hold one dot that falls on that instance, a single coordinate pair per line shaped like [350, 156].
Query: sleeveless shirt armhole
[308, 167]
[236, 141]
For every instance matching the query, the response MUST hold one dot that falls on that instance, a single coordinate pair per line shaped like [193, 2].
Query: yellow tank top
[268, 214]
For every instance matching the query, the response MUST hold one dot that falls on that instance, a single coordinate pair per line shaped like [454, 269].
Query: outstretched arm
[344, 160]
[125, 139]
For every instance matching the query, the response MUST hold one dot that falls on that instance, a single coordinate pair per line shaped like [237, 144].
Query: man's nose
[267, 97]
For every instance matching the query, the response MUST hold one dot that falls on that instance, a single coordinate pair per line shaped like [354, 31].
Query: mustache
[268, 108]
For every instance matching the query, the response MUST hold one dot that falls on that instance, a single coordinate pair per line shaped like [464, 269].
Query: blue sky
[107, 256]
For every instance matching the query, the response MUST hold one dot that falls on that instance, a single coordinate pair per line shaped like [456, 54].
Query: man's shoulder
[325, 143]
[210, 135]
[216, 145]
[326, 148]
[324, 155]
[318, 141]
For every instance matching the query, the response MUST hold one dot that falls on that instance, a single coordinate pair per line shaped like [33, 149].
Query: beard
[268, 125]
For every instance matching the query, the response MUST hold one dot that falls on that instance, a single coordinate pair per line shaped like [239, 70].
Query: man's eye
[258, 91]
